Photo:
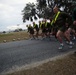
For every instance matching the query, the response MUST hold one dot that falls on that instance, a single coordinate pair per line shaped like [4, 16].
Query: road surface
[24, 52]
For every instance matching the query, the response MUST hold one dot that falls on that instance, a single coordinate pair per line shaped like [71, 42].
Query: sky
[10, 14]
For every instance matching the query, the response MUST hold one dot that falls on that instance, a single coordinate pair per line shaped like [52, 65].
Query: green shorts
[72, 27]
[63, 28]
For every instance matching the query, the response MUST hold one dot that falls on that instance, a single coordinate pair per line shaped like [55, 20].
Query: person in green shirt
[42, 27]
[35, 26]
[47, 28]
[58, 22]
[72, 27]
[31, 31]
[74, 20]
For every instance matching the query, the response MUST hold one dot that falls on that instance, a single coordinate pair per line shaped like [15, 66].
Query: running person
[36, 28]
[72, 27]
[31, 31]
[59, 22]
[42, 27]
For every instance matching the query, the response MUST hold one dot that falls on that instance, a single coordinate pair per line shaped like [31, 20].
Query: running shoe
[61, 46]
[71, 45]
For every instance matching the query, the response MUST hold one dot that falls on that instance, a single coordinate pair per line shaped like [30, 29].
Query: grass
[64, 66]
[14, 35]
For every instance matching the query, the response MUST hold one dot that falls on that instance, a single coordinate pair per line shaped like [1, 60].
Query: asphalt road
[24, 52]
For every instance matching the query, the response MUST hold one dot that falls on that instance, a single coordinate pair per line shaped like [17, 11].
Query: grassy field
[14, 35]
[64, 66]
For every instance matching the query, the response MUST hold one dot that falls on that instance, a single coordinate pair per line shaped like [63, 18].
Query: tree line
[44, 8]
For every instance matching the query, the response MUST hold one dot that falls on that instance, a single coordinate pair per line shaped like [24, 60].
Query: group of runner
[61, 25]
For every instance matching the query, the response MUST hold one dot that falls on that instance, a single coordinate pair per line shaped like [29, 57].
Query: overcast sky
[10, 13]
